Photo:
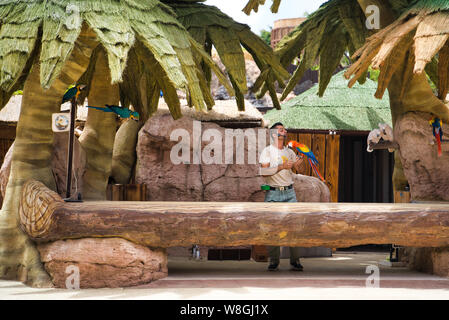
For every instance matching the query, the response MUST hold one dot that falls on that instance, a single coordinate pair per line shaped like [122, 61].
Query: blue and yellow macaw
[120, 111]
[437, 131]
[72, 92]
[303, 149]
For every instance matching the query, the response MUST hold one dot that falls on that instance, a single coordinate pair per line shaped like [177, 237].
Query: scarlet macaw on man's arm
[303, 149]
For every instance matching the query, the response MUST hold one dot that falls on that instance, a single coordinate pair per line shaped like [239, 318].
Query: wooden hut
[336, 128]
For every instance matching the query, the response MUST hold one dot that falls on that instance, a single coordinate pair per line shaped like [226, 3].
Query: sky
[264, 19]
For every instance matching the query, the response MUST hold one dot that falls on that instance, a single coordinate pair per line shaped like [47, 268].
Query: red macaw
[303, 149]
[437, 130]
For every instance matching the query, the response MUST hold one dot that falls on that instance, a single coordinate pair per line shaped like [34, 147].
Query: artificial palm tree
[47, 45]
[125, 51]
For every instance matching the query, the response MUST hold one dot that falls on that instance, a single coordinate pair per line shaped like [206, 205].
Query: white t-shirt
[276, 157]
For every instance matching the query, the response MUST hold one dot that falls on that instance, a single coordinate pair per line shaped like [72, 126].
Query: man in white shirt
[277, 162]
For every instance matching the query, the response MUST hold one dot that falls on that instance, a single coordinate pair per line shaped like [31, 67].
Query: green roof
[341, 108]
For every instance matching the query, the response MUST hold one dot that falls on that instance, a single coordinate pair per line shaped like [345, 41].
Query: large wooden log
[45, 217]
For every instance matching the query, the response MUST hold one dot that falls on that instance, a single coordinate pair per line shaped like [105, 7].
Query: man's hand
[298, 163]
[287, 165]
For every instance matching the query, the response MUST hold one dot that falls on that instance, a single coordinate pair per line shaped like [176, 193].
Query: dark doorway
[364, 176]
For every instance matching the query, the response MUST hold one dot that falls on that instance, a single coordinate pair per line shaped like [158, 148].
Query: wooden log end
[36, 208]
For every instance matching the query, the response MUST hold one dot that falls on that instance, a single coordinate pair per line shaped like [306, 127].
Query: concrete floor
[342, 276]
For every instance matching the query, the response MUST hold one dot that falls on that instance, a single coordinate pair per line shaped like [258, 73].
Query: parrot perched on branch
[303, 149]
[73, 92]
[437, 131]
[122, 112]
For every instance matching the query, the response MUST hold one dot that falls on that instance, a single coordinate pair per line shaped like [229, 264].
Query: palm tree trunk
[19, 258]
[99, 132]
[124, 154]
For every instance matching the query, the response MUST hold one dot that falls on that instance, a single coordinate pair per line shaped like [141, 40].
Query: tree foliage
[266, 36]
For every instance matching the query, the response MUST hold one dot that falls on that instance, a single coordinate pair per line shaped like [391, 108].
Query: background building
[283, 27]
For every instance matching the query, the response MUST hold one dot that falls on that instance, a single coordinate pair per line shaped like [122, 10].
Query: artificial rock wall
[167, 181]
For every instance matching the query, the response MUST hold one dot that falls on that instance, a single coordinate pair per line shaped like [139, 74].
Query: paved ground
[342, 276]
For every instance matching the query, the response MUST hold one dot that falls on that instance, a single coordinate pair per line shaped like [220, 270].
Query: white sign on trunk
[60, 122]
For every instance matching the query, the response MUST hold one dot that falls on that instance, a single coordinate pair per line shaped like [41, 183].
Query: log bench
[45, 217]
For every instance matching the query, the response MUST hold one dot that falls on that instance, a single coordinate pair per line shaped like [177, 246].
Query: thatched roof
[341, 108]
[253, 5]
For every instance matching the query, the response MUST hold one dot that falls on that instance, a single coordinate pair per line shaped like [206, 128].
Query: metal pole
[70, 156]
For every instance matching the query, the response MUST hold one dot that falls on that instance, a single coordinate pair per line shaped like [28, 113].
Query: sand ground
[342, 276]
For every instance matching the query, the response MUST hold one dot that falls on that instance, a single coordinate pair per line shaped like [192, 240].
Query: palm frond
[18, 35]
[55, 25]
[336, 27]
[61, 28]
[209, 26]
[116, 36]
[423, 30]
[253, 5]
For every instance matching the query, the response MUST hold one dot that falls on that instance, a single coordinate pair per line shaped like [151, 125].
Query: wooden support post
[70, 148]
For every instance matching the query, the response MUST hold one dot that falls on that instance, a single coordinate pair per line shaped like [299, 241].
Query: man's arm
[266, 171]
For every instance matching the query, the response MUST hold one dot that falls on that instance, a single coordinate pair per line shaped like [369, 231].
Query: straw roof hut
[340, 109]
[336, 128]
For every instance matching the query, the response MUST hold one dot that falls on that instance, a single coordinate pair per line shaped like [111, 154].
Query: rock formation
[426, 172]
[167, 181]
[429, 260]
[102, 263]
